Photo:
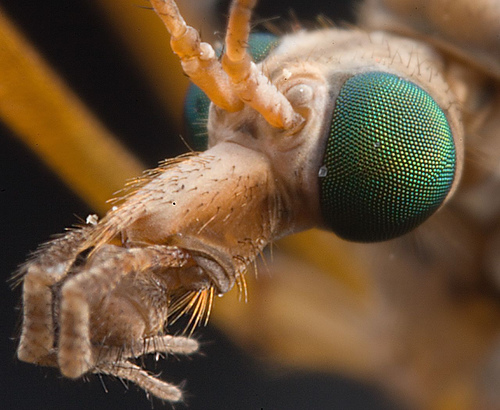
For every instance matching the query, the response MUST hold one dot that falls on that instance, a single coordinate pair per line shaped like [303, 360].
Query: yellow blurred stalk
[50, 119]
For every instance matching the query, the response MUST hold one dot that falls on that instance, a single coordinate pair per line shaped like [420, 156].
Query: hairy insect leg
[198, 59]
[49, 265]
[251, 85]
[104, 270]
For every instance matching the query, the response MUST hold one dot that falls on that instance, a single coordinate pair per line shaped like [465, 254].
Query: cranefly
[330, 128]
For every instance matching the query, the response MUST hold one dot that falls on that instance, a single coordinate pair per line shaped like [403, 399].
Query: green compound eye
[197, 104]
[389, 160]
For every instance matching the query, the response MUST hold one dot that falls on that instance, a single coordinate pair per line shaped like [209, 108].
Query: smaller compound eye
[197, 104]
[389, 161]
[196, 108]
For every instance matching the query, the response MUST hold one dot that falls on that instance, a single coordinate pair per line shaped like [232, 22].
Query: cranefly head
[389, 159]
[354, 143]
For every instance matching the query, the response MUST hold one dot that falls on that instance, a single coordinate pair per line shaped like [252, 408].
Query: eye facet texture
[197, 103]
[389, 160]
[196, 106]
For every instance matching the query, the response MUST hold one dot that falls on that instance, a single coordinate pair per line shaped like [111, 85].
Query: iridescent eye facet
[261, 44]
[389, 160]
[197, 104]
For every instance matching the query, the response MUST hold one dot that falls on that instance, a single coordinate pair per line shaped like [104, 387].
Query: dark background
[35, 204]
